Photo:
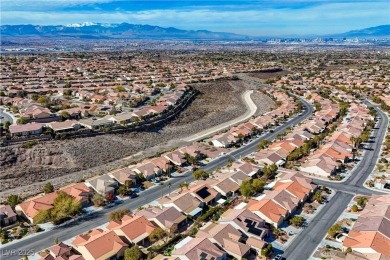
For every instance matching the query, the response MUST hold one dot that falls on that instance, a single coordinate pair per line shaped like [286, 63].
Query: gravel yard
[71, 160]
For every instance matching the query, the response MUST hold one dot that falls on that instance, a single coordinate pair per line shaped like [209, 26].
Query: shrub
[354, 208]
[118, 214]
[133, 253]
[332, 231]
[266, 251]
[49, 188]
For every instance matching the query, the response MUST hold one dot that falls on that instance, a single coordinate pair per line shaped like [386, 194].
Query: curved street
[304, 245]
[45, 239]
[5, 116]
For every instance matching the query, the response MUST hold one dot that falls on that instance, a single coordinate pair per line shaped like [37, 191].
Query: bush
[354, 208]
[157, 234]
[98, 200]
[297, 221]
[29, 144]
[49, 188]
[118, 214]
[133, 253]
[267, 250]
[200, 174]
[333, 230]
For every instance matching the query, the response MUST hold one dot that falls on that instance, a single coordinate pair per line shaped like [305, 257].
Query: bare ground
[71, 160]
[268, 75]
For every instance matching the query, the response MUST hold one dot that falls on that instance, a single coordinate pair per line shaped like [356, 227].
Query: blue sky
[257, 17]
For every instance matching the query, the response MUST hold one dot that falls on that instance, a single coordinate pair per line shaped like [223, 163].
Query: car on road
[133, 195]
[278, 257]
[271, 131]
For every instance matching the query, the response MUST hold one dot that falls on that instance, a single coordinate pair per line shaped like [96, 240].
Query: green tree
[297, 221]
[64, 207]
[258, 185]
[200, 174]
[7, 124]
[354, 208]
[157, 234]
[333, 230]
[266, 251]
[133, 253]
[118, 214]
[43, 216]
[246, 189]
[49, 188]
[13, 200]
[56, 241]
[42, 100]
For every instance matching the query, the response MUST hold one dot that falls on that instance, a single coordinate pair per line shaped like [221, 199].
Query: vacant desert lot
[75, 159]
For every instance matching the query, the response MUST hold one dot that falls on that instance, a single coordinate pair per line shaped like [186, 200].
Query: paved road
[307, 241]
[252, 108]
[44, 240]
[4, 116]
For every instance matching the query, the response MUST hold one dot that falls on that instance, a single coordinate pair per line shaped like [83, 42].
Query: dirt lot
[268, 75]
[72, 160]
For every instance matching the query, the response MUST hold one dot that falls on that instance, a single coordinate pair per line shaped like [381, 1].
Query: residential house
[176, 157]
[370, 233]
[93, 123]
[26, 129]
[7, 216]
[103, 184]
[132, 229]
[31, 207]
[183, 202]
[60, 251]
[124, 175]
[100, 245]
[168, 218]
[204, 192]
[247, 222]
[227, 237]
[198, 249]
[68, 125]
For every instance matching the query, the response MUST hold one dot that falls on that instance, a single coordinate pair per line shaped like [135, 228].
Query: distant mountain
[377, 31]
[136, 31]
[113, 31]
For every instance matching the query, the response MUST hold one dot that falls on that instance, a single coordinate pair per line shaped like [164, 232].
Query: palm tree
[353, 139]
[169, 187]
[181, 186]
[185, 184]
[162, 188]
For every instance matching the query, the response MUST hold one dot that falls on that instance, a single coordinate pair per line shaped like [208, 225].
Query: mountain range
[114, 31]
[137, 31]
